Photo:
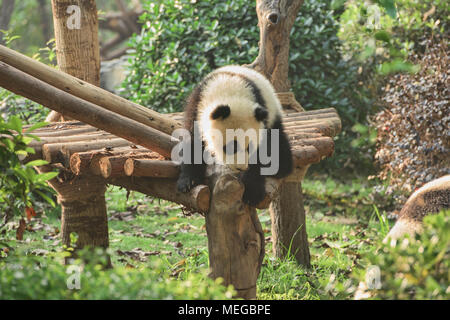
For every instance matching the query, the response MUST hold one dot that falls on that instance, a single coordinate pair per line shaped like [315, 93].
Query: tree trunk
[6, 11]
[45, 20]
[289, 224]
[82, 198]
[235, 236]
[76, 34]
[275, 20]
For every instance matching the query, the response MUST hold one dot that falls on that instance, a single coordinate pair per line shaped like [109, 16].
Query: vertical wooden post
[82, 198]
[289, 222]
[235, 236]
[275, 20]
[76, 36]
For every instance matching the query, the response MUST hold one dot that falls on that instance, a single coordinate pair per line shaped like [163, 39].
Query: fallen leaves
[140, 255]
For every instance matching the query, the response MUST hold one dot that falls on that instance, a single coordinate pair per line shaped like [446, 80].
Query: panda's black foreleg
[254, 183]
[285, 161]
[191, 174]
[286, 164]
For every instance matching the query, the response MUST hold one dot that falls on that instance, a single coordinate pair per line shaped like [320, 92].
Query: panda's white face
[231, 130]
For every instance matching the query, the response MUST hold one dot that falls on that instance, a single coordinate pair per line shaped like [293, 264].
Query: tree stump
[235, 236]
[83, 205]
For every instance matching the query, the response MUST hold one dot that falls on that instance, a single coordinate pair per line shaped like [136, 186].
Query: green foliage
[30, 277]
[183, 40]
[416, 268]
[384, 41]
[20, 184]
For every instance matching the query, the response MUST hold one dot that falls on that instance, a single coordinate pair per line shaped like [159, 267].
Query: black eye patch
[261, 114]
[222, 111]
[231, 148]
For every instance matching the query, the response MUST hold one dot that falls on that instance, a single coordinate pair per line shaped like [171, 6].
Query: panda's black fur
[234, 97]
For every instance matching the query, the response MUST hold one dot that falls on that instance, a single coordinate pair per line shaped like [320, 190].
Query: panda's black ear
[261, 114]
[222, 111]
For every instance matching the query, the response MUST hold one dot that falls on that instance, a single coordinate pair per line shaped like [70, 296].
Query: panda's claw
[185, 184]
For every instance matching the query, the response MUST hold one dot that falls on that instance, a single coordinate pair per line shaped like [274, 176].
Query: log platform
[85, 150]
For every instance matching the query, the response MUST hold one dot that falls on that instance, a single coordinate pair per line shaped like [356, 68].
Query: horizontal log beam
[88, 92]
[25, 85]
[80, 162]
[197, 199]
[113, 167]
[151, 168]
[61, 152]
[305, 155]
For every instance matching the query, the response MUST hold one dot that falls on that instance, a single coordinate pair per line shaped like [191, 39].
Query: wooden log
[112, 167]
[68, 132]
[310, 112]
[324, 145]
[235, 237]
[81, 161]
[331, 122]
[305, 135]
[328, 130]
[305, 155]
[197, 199]
[61, 152]
[83, 209]
[87, 92]
[77, 48]
[151, 168]
[38, 145]
[310, 117]
[275, 22]
[289, 224]
[23, 84]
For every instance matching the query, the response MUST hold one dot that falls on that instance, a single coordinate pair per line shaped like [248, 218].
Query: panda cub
[240, 100]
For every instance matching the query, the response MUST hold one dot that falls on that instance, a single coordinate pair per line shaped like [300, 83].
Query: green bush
[20, 184]
[415, 268]
[381, 41]
[183, 40]
[31, 277]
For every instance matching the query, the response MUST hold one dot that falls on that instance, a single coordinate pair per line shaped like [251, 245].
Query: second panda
[235, 97]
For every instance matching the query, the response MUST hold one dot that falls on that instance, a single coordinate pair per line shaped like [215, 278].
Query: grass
[340, 224]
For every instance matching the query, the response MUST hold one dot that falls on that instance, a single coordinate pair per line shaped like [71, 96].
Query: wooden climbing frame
[112, 141]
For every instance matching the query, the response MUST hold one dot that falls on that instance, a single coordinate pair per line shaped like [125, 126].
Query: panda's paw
[254, 195]
[186, 183]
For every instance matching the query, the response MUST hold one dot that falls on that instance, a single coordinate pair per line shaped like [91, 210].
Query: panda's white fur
[225, 88]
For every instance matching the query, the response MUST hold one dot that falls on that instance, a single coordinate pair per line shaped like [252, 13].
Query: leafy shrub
[20, 184]
[183, 40]
[414, 129]
[31, 277]
[383, 41]
[416, 268]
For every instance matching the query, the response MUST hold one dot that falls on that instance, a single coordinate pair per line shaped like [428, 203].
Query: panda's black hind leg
[254, 184]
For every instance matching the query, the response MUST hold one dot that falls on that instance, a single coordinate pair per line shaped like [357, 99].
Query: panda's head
[231, 130]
